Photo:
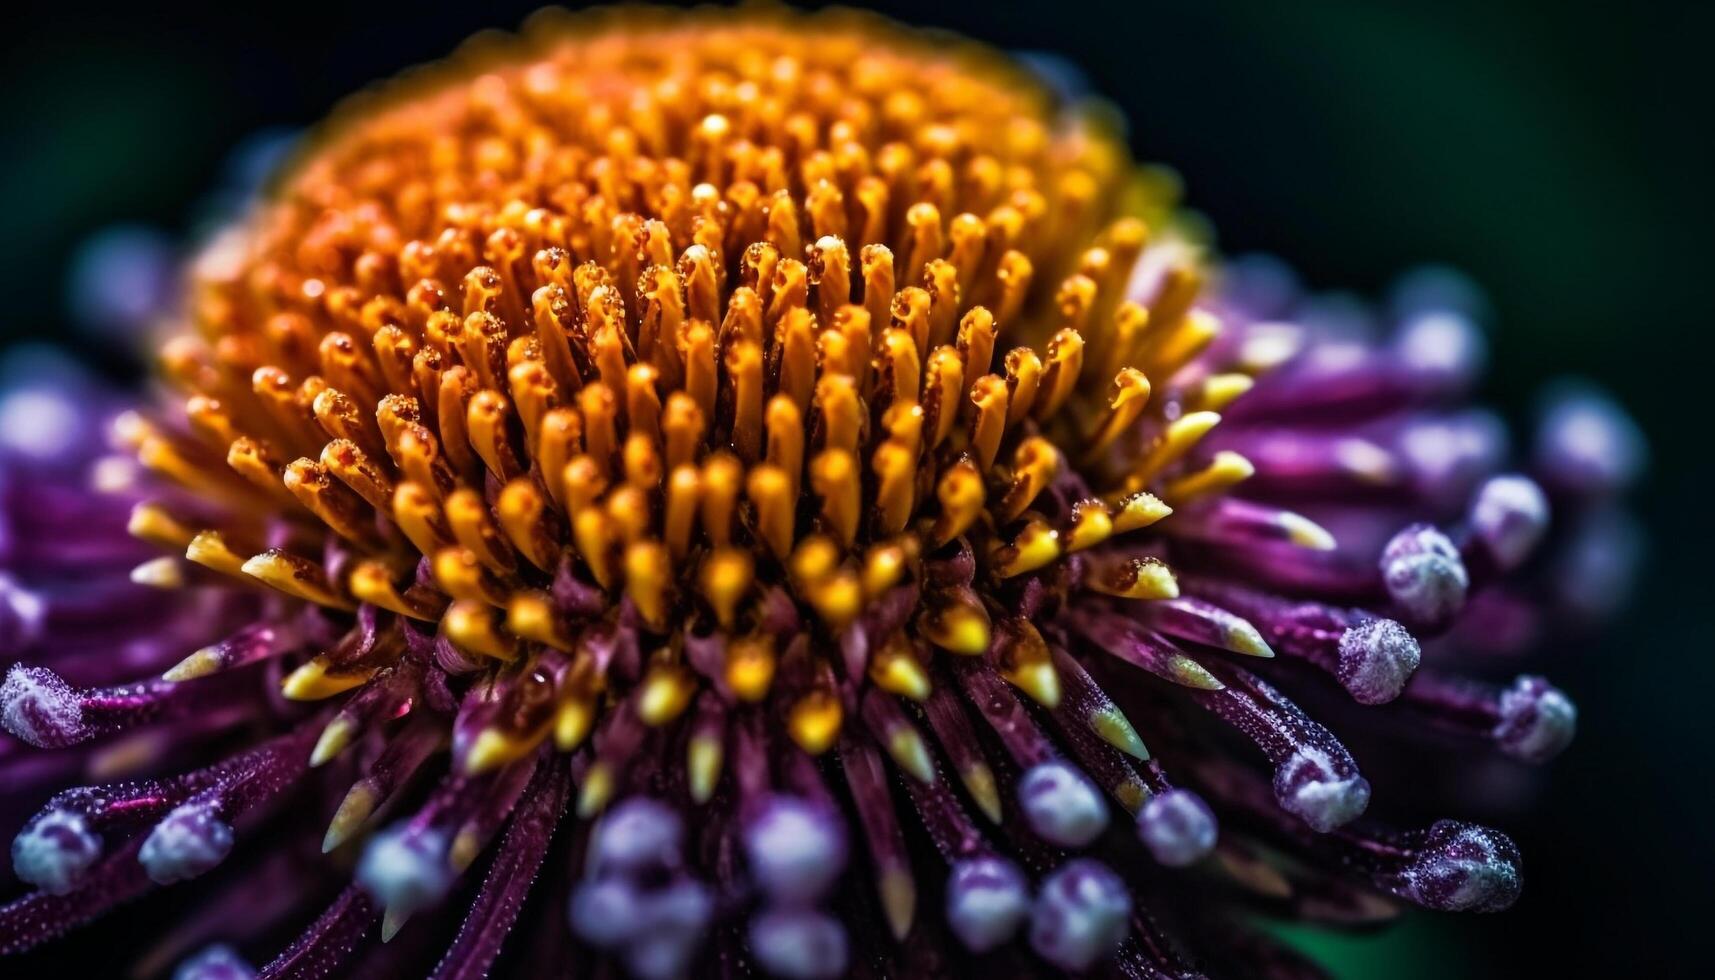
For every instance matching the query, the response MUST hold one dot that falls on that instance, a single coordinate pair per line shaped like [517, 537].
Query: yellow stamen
[814, 721]
[1135, 578]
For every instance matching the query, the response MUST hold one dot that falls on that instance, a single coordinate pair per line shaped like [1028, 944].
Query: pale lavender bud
[1442, 343]
[216, 962]
[1448, 455]
[1461, 868]
[672, 922]
[1510, 515]
[795, 849]
[606, 912]
[1423, 574]
[1587, 444]
[1061, 804]
[21, 616]
[1537, 720]
[1177, 827]
[1377, 657]
[799, 944]
[42, 418]
[987, 897]
[406, 869]
[638, 833]
[1080, 916]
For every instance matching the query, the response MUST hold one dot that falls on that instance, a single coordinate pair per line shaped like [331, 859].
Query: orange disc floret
[702, 312]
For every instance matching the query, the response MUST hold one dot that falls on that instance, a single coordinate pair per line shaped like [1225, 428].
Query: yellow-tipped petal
[150, 522]
[493, 748]
[909, 751]
[572, 723]
[372, 582]
[471, 625]
[1181, 435]
[1221, 390]
[838, 600]
[465, 849]
[883, 566]
[1242, 637]
[159, 573]
[961, 495]
[1137, 578]
[704, 757]
[898, 900]
[596, 791]
[750, 667]
[1038, 679]
[1366, 461]
[1092, 523]
[392, 921]
[897, 672]
[1267, 346]
[814, 722]
[335, 738]
[960, 627]
[1115, 729]
[1036, 546]
[665, 692]
[209, 549]
[979, 782]
[1129, 395]
[814, 560]
[312, 682]
[1132, 794]
[1225, 471]
[726, 576]
[1190, 673]
[648, 581]
[1034, 464]
[531, 615]
[1135, 510]
[357, 806]
[297, 577]
[1306, 533]
[1193, 333]
[199, 664]
[159, 455]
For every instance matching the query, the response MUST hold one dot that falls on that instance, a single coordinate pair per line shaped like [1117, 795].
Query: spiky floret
[721, 343]
[773, 436]
[716, 325]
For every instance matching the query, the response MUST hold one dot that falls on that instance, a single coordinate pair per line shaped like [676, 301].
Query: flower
[772, 491]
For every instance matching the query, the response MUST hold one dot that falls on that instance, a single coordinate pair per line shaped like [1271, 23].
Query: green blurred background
[1560, 153]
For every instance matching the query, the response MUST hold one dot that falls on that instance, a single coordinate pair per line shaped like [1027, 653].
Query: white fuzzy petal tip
[55, 851]
[187, 843]
[1309, 785]
[38, 706]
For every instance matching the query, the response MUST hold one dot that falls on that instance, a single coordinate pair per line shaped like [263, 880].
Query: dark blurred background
[1559, 153]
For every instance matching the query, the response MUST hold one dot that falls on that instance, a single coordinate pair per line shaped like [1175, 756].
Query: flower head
[767, 489]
